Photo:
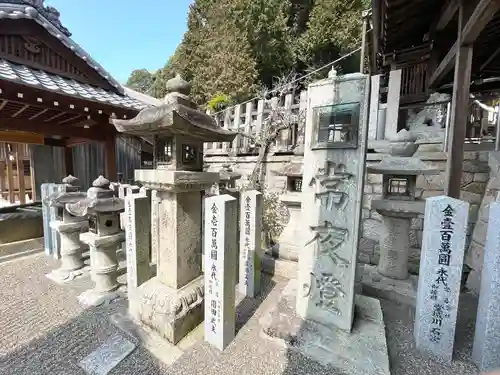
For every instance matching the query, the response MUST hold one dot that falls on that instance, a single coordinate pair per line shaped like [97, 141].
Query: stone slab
[220, 262]
[91, 298]
[378, 286]
[137, 239]
[105, 358]
[251, 211]
[278, 267]
[18, 249]
[441, 261]
[361, 352]
[486, 348]
[152, 341]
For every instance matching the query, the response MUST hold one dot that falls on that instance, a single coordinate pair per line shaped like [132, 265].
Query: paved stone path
[43, 330]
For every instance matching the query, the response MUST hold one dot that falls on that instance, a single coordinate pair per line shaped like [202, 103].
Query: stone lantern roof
[99, 198]
[69, 194]
[408, 166]
[178, 115]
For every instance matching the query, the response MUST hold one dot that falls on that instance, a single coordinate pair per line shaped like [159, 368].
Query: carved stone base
[62, 276]
[361, 352]
[92, 298]
[172, 313]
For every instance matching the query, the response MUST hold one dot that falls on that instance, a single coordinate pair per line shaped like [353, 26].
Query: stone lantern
[179, 130]
[102, 211]
[69, 228]
[398, 206]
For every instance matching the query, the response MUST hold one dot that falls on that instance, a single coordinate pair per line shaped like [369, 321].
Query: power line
[294, 81]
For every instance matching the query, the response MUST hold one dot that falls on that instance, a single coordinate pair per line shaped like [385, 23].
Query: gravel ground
[44, 330]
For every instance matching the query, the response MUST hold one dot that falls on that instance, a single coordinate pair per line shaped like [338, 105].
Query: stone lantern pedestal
[103, 238]
[398, 206]
[69, 228]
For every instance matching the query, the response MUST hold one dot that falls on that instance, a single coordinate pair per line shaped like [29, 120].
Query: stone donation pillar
[172, 302]
[104, 235]
[69, 228]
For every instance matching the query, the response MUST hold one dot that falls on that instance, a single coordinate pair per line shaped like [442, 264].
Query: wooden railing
[249, 119]
[414, 82]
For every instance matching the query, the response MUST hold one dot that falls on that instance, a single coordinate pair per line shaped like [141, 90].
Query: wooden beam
[483, 13]
[21, 137]
[447, 14]
[459, 114]
[469, 10]
[490, 59]
[99, 132]
[110, 152]
[55, 100]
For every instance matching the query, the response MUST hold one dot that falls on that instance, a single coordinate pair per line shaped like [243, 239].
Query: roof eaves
[15, 10]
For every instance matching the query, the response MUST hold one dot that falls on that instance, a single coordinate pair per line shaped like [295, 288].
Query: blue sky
[125, 35]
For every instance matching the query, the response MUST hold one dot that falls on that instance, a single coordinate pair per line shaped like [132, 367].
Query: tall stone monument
[441, 261]
[486, 348]
[315, 313]
[172, 302]
[335, 148]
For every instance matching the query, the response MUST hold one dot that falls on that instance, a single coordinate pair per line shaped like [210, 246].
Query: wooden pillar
[32, 176]
[392, 112]
[68, 160]
[110, 152]
[363, 43]
[3, 183]
[459, 112]
[10, 175]
[20, 172]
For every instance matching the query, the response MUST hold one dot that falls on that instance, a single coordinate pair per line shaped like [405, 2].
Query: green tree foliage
[140, 80]
[235, 47]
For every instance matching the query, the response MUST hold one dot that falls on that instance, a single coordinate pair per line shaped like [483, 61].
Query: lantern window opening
[295, 184]
[93, 224]
[189, 155]
[398, 187]
[163, 154]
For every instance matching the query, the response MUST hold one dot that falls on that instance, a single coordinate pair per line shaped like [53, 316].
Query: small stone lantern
[69, 228]
[397, 207]
[103, 210]
[179, 130]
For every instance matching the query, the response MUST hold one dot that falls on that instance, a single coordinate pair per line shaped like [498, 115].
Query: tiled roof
[24, 75]
[48, 18]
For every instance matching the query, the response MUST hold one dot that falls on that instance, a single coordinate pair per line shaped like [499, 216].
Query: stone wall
[474, 180]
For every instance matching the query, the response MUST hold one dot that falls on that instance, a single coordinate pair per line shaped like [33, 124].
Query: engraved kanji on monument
[138, 239]
[220, 260]
[332, 194]
[441, 260]
[486, 348]
[250, 242]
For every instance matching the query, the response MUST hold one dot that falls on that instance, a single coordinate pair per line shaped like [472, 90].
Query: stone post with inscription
[171, 303]
[138, 239]
[220, 260]
[441, 260]
[102, 210]
[486, 348]
[335, 148]
[251, 211]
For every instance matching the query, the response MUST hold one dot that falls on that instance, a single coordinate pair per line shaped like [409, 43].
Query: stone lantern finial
[101, 182]
[178, 84]
[70, 180]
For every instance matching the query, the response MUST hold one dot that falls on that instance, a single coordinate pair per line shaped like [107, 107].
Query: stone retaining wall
[474, 180]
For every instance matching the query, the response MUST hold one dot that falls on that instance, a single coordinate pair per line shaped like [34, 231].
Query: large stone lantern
[69, 228]
[172, 302]
[398, 206]
[102, 211]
